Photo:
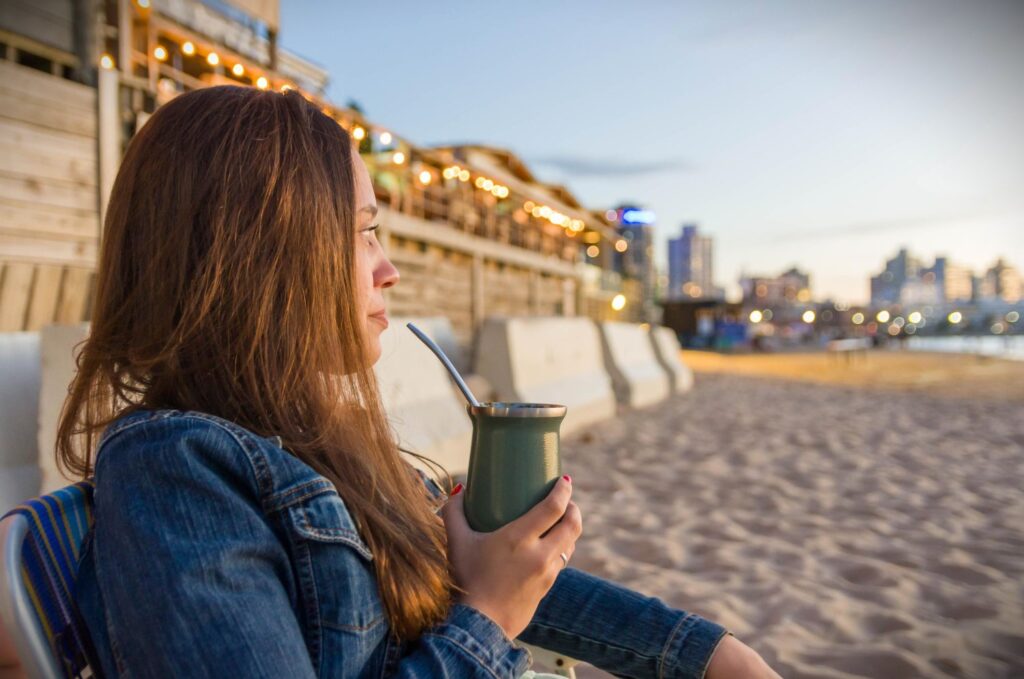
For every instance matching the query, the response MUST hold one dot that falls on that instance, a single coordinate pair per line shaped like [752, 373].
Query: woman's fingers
[562, 538]
[544, 514]
[453, 514]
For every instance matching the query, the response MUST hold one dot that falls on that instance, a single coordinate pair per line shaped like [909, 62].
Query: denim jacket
[217, 553]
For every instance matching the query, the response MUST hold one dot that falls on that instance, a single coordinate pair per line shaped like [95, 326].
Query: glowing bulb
[107, 62]
[593, 251]
[808, 316]
[160, 53]
[621, 245]
[529, 205]
[398, 158]
[955, 317]
[479, 183]
[882, 316]
[358, 133]
[238, 70]
[858, 318]
[464, 175]
[619, 302]
[188, 48]
[915, 317]
[756, 316]
[212, 59]
[425, 177]
[262, 83]
[611, 215]
[385, 138]
[1012, 317]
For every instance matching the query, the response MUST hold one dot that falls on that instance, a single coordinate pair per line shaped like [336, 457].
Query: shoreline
[941, 374]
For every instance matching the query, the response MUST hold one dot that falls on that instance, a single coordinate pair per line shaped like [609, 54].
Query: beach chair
[40, 542]
[39, 548]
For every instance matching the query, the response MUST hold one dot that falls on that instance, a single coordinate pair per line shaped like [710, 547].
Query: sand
[840, 531]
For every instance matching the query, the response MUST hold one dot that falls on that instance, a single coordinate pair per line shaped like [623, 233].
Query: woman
[252, 514]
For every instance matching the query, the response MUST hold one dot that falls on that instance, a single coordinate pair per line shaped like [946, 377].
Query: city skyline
[794, 134]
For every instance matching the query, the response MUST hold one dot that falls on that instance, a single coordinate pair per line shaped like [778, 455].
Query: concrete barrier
[638, 378]
[667, 349]
[547, 360]
[424, 406]
[19, 401]
[57, 348]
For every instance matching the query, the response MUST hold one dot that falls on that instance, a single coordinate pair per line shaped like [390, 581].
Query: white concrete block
[638, 378]
[667, 348]
[19, 403]
[547, 360]
[58, 344]
[424, 406]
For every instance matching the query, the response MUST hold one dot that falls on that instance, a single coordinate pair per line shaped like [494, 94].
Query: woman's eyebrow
[372, 209]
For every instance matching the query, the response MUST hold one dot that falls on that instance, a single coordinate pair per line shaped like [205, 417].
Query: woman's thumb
[452, 512]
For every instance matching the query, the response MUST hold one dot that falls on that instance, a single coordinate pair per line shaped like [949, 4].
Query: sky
[819, 134]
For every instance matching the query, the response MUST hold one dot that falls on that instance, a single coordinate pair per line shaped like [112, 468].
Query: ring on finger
[565, 559]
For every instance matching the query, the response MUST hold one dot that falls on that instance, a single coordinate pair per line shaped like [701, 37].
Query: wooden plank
[45, 291]
[46, 192]
[74, 294]
[62, 167]
[15, 287]
[47, 250]
[21, 106]
[58, 91]
[38, 141]
[26, 219]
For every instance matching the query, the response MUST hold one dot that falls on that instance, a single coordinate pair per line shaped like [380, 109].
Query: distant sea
[1011, 347]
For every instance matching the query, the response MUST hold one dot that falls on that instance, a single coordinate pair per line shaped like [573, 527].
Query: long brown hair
[226, 286]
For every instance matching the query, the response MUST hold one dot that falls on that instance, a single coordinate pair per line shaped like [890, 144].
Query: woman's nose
[386, 274]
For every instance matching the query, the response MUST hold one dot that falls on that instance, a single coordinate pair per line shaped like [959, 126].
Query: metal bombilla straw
[459, 382]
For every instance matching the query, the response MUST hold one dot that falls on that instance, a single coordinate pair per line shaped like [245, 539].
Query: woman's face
[374, 271]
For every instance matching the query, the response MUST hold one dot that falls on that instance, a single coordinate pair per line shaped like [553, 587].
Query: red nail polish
[457, 489]
[567, 478]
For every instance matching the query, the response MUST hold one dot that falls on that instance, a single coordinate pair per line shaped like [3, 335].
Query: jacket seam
[465, 650]
[668, 642]
[311, 488]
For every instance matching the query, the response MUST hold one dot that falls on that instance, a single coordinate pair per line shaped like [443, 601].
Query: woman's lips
[381, 318]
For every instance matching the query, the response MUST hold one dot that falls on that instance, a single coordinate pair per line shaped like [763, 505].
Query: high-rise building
[1003, 282]
[636, 226]
[691, 265]
[953, 282]
[887, 287]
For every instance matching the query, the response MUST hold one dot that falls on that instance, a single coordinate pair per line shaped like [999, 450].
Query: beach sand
[841, 530]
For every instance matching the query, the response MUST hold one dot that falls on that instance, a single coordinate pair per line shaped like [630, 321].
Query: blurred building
[789, 288]
[1001, 282]
[887, 287]
[634, 253]
[906, 281]
[691, 265]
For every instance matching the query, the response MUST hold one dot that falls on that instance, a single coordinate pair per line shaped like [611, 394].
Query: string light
[385, 138]
[187, 48]
[160, 53]
[463, 175]
[107, 62]
[238, 70]
[619, 302]
[425, 177]
[212, 59]
[621, 245]
[262, 83]
[593, 251]
[358, 133]
[398, 158]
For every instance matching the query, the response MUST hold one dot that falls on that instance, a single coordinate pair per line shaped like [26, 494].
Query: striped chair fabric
[57, 525]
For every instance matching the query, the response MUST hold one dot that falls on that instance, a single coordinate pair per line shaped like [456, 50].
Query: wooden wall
[49, 218]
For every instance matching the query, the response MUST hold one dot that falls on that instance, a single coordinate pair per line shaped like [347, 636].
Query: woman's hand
[504, 574]
[735, 660]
